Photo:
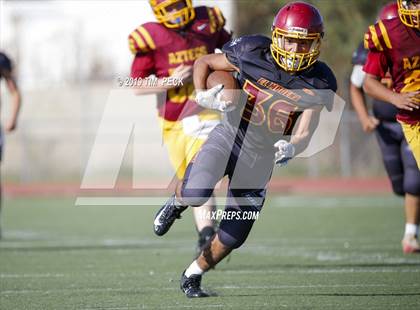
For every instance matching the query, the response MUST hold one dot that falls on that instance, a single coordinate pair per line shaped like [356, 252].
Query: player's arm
[357, 97]
[302, 134]
[305, 128]
[15, 99]
[375, 67]
[405, 101]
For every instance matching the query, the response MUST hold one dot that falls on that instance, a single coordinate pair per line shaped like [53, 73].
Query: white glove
[211, 99]
[285, 153]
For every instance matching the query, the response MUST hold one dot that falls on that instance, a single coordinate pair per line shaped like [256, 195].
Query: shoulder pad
[238, 47]
[143, 38]
[377, 37]
[247, 43]
[212, 15]
[325, 78]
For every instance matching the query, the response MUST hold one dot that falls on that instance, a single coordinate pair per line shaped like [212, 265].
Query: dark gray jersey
[272, 99]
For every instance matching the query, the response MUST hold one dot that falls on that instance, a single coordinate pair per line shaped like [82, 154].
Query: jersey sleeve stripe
[366, 41]
[132, 45]
[139, 41]
[147, 37]
[375, 39]
[220, 17]
[212, 20]
[385, 35]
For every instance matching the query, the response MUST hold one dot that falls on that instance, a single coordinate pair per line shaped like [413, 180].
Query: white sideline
[233, 287]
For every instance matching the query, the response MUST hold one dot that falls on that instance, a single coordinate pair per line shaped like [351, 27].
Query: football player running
[256, 134]
[6, 73]
[168, 48]
[394, 46]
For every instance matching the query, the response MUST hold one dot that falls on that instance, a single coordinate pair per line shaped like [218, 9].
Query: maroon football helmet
[301, 23]
[388, 11]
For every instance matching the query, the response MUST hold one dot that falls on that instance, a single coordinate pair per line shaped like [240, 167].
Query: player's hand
[369, 124]
[11, 126]
[285, 152]
[183, 73]
[212, 99]
[406, 101]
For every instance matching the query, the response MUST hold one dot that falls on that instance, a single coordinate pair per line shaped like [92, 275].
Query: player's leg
[173, 139]
[232, 233]
[389, 136]
[1, 202]
[411, 133]
[212, 253]
[233, 230]
[412, 200]
[399, 163]
[204, 224]
[197, 129]
[1, 188]
[200, 178]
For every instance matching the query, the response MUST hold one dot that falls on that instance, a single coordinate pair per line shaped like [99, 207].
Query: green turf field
[303, 253]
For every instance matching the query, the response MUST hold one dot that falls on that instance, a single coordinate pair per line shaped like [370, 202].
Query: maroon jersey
[399, 47]
[159, 50]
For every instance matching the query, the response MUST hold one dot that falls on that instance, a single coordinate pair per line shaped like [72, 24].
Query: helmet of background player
[173, 13]
[296, 36]
[409, 12]
[388, 11]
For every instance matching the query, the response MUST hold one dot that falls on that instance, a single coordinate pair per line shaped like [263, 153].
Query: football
[230, 92]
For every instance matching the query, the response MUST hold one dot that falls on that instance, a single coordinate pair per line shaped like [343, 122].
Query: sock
[411, 229]
[194, 269]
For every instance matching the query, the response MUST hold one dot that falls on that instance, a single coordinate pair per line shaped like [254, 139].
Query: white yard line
[231, 287]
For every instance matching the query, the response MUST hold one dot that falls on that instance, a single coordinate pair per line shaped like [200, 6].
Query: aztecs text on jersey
[400, 47]
[274, 98]
[159, 50]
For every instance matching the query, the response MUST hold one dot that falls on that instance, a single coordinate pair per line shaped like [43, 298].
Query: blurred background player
[398, 159]
[169, 47]
[251, 138]
[394, 46]
[6, 73]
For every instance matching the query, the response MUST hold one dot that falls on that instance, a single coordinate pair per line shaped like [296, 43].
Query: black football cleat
[167, 215]
[192, 286]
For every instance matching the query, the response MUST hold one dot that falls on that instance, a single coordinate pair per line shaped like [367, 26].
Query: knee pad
[195, 197]
[233, 233]
[411, 173]
[398, 186]
[412, 183]
[228, 240]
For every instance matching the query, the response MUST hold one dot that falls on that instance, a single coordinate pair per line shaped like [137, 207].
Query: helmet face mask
[305, 53]
[296, 36]
[409, 12]
[173, 14]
